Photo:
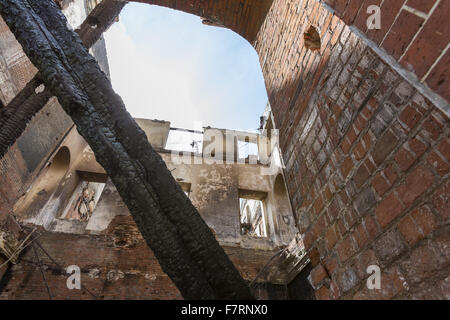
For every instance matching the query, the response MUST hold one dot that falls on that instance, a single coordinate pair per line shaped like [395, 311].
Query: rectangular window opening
[85, 197]
[185, 141]
[252, 218]
[247, 149]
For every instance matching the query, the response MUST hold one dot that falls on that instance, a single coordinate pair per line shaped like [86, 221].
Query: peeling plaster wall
[214, 192]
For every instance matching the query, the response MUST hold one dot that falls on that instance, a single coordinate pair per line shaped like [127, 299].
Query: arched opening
[45, 184]
[184, 71]
[244, 17]
[312, 39]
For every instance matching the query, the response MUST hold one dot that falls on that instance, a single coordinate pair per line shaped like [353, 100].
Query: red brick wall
[366, 157]
[15, 67]
[122, 272]
[415, 32]
[16, 174]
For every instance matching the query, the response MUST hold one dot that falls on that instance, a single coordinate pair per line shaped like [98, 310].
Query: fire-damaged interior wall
[363, 120]
[108, 270]
[37, 144]
[365, 142]
[80, 215]
[48, 128]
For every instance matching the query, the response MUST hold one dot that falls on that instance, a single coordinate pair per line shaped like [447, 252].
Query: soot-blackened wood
[29, 101]
[99, 20]
[16, 115]
[182, 242]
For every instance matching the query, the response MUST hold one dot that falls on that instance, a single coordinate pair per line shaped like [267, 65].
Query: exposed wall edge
[409, 76]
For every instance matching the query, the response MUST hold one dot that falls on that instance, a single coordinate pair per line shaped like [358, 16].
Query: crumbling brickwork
[414, 32]
[109, 270]
[366, 149]
[38, 141]
[366, 158]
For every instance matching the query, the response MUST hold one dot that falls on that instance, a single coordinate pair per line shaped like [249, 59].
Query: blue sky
[167, 65]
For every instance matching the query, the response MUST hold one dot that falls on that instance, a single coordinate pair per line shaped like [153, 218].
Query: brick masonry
[15, 71]
[114, 265]
[15, 68]
[415, 32]
[242, 16]
[366, 154]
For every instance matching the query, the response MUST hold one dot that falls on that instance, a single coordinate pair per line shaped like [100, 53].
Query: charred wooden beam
[99, 20]
[16, 115]
[182, 242]
[31, 99]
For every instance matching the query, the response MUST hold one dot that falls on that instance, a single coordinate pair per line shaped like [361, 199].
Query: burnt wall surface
[15, 68]
[366, 152]
[44, 132]
[213, 189]
[111, 236]
[29, 154]
[366, 158]
[115, 265]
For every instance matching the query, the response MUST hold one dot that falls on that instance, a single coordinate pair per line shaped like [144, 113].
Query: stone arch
[244, 17]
